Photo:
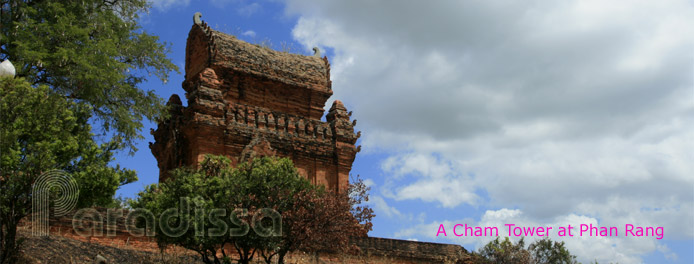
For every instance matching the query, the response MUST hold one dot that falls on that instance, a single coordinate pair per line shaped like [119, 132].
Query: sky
[487, 113]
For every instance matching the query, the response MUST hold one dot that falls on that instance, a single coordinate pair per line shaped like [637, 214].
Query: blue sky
[494, 112]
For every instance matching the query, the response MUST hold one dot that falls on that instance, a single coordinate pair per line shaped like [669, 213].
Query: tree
[506, 252]
[546, 251]
[231, 197]
[90, 51]
[92, 54]
[235, 198]
[39, 131]
[320, 220]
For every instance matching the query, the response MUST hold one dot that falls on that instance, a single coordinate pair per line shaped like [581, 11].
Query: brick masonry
[111, 227]
[245, 100]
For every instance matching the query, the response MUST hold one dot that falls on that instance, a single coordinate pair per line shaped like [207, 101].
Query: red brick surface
[98, 229]
[245, 101]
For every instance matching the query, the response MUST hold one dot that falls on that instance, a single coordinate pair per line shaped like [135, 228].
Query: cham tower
[246, 101]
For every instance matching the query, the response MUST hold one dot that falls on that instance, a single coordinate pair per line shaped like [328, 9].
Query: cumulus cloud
[617, 249]
[435, 177]
[560, 109]
[380, 205]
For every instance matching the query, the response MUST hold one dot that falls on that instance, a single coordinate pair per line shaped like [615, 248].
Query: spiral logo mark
[62, 187]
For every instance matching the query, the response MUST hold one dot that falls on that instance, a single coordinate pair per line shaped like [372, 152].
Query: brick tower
[246, 101]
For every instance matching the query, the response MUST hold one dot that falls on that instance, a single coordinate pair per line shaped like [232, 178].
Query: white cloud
[380, 205]
[369, 183]
[587, 248]
[249, 9]
[243, 7]
[562, 108]
[164, 5]
[249, 33]
[436, 177]
[669, 255]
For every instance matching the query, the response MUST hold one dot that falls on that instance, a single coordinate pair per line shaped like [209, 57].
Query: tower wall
[246, 101]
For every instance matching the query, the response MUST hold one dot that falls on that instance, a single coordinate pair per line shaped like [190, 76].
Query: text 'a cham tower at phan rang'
[246, 101]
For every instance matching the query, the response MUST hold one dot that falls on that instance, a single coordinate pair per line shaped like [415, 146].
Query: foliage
[39, 131]
[85, 60]
[506, 252]
[215, 185]
[90, 51]
[544, 251]
[237, 195]
[321, 220]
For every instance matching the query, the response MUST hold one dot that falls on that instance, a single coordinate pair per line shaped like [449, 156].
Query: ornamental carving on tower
[246, 101]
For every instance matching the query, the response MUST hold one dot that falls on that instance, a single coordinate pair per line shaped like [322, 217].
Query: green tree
[93, 55]
[546, 251]
[216, 185]
[232, 197]
[39, 131]
[90, 51]
[506, 252]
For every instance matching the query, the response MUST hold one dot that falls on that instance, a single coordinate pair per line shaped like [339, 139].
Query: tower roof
[210, 48]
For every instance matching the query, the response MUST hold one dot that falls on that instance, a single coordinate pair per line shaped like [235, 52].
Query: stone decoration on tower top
[245, 101]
